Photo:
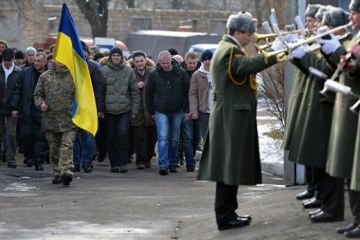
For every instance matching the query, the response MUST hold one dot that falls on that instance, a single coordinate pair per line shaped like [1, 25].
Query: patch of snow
[270, 149]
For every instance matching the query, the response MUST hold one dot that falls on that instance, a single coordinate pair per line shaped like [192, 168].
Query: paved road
[144, 205]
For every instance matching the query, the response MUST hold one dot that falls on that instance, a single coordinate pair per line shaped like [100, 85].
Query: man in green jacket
[231, 151]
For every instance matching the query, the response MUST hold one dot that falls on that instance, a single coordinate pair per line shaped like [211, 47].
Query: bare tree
[96, 12]
[272, 88]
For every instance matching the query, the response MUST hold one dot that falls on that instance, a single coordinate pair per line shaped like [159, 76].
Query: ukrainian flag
[69, 52]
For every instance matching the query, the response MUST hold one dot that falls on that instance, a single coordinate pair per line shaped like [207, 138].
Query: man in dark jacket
[8, 76]
[142, 123]
[84, 144]
[22, 104]
[231, 151]
[167, 99]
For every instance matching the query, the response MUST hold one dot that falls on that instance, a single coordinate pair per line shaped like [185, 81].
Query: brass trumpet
[291, 46]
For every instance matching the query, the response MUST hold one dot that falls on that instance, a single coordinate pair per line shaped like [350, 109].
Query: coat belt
[217, 97]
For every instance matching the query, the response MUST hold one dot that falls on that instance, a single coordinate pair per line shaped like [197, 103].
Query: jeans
[187, 137]
[118, 138]
[168, 130]
[84, 145]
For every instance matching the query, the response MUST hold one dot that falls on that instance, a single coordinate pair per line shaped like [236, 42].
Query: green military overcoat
[313, 118]
[344, 130]
[295, 96]
[231, 151]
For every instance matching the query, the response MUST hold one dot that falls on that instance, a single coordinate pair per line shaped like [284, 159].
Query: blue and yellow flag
[69, 52]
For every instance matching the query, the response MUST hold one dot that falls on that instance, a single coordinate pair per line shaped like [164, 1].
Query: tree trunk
[96, 12]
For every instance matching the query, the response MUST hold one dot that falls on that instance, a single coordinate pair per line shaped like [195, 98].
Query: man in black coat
[8, 75]
[32, 137]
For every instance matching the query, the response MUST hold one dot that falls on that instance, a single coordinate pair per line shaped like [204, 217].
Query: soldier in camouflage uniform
[55, 96]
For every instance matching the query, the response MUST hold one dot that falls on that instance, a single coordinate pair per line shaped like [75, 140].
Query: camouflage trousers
[61, 151]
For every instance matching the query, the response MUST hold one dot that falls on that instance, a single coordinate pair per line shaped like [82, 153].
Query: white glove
[291, 38]
[277, 45]
[299, 52]
[329, 45]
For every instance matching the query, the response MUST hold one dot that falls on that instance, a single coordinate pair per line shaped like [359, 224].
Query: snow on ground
[270, 149]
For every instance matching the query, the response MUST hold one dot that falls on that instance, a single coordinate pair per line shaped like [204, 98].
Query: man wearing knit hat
[121, 103]
[200, 100]
[344, 155]
[29, 57]
[231, 151]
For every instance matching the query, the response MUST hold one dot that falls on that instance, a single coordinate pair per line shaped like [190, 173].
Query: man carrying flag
[66, 97]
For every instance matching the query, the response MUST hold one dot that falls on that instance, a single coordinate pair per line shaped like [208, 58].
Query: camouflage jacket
[56, 88]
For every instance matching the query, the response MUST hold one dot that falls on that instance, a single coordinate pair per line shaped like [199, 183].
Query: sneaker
[28, 162]
[163, 171]
[66, 179]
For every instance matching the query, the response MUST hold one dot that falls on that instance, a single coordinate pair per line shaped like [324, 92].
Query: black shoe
[163, 171]
[173, 170]
[140, 166]
[312, 203]
[57, 179]
[246, 216]
[28, 162]
[355, 233]
[101, 157]
[347, 228]
[87, 167]
[76, 168]
[304, 195]
[314, 212]
[123, 169]
[11, 165]
[325, 217]
[39, 167]
[66, 179]
[115, 169]
[233, 223]
[190, 168]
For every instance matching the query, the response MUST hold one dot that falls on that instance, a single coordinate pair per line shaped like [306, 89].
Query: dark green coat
[231, 151]
[313, 117]
[295, 96]
[341, 161]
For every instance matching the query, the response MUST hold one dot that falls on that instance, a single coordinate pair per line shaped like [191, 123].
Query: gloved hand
[299, 52]
[329, 45]
[277, 45]
[291, 38]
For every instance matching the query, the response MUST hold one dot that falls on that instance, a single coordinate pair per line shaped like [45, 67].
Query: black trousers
[225, 202]
[145, 140]
[34, 141]
[100, 137]
[332, 191]
[354, 197]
